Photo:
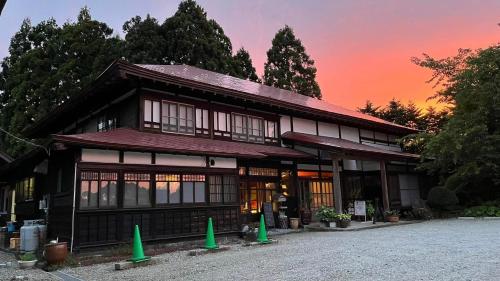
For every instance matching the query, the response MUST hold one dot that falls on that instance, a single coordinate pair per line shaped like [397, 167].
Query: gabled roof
[267, 93]
[346, 147]
[204, 80]
[131, 139]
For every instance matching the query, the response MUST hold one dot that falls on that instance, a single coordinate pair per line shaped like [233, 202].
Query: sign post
[360, 208]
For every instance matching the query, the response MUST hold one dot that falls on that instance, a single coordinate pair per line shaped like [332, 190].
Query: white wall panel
[180, 160]
[304, 126]
[220, 162]
[285, 124]
[130, 157]
[349, 133]
[328, 129]
[100, 156]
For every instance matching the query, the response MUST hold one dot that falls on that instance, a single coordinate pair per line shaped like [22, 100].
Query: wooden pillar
[337, 189]
[383, 182]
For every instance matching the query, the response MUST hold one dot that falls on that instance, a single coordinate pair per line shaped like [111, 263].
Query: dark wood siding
[115, 226]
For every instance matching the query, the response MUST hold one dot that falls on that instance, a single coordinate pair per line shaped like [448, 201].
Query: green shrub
[326, 214]
[442, 198]
[482, 211]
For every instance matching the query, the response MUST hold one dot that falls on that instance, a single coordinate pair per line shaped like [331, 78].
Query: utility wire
[25, 141]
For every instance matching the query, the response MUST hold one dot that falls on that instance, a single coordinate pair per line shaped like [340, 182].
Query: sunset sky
[362, 49]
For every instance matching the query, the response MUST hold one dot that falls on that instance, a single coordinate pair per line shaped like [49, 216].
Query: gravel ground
[7, 273]
[435, 250]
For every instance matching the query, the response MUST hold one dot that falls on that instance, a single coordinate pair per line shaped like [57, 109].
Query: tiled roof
[125, 138]
[346, 146]
[259, 90]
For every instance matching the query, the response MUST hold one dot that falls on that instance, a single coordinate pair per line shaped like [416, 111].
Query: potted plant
[370, 210]
[326, 215]
[28, 260]
[392, 215]
[305, 212]
[343, 220]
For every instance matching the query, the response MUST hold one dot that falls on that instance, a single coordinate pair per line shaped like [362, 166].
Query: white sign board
[360, 208]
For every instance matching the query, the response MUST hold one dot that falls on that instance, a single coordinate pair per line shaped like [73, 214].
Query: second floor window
[151, 114]
[247, 128]
[177, 118]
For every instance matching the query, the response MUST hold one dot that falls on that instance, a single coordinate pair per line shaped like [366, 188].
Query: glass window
[147, 111]
[222, 189]
[178, 118]
[167, 189]
[215, 186]
[137, 190]
[98, 189]
[193, 188]
[187, 192]
[174, 195]
[271, 130]
[151, 114]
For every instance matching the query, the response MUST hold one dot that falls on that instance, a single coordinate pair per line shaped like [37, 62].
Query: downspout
[73, 214]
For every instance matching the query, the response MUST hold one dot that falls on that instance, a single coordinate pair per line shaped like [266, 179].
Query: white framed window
[255, 129]
[240, 127]
[222, 124]
[271, 131]
[202, 119]
[151, 114]
[177, 118]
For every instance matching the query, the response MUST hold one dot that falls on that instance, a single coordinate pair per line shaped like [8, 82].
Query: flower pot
[294, 223]
[327, 223]
[56, 253]
[26, 264]
[392, 218]
[343, 223]
[306, 216]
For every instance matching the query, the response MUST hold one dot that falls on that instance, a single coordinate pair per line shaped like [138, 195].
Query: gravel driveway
[435, 250]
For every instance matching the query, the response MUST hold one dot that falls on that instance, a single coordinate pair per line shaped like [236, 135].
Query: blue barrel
[11, 227]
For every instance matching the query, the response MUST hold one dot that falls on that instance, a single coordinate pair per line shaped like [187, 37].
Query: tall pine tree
[289, 67]
[242, 66]
[195, 40]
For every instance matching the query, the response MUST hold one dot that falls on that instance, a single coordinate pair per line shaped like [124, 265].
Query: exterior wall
[100, 156]
[349, 133]
[306, 126]
[285, 124]
[328, 130]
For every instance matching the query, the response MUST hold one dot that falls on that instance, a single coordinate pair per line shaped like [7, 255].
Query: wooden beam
[337, 189]
[383, 182]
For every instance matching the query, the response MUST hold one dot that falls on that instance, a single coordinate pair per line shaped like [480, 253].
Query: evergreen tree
[242, 66]
[370, 109]
[47, 65]
[144, 41]
[289, 67]
[195, 40]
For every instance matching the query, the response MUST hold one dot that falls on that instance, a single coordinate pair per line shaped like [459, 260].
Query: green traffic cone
[138, 252]
[210, 241]
[262, 237]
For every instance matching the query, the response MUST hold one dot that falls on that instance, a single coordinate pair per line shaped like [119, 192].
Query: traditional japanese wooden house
[167, 146]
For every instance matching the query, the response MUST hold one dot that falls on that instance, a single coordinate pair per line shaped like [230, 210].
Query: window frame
[99, 181]
[151, 124]
[247, 128]
[125, 180]
[166, 116]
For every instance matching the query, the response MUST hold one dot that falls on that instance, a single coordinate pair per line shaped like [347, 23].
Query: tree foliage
[47, 65]
[195, 40]
[242, 66]
[289, 67]
[466, 153]
[144, 41]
